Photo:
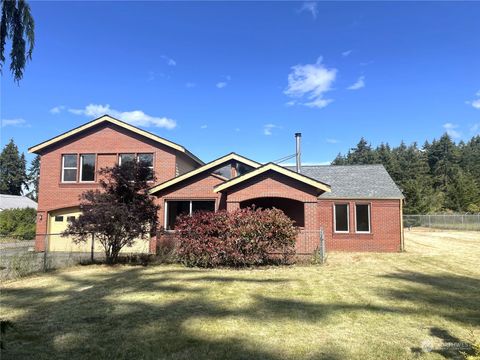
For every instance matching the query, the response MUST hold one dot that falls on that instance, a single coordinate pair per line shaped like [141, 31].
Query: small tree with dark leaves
[119, 214]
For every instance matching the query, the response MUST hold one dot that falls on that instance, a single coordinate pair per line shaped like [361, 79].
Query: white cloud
[360, 83]
[57, 109]
[450, 130]
[169, 60]
[15, 122]
[332, 141]
[267, 129]
[135, 117]
[190, 85]
[311, 7]
[311, 82]
[203, 126]
[475, 103]
[221, 84]
[346, 53]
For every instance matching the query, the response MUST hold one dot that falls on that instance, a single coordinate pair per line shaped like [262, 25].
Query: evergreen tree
[339, 160]
[12, 170]
[33, 178]
[462, 192]
[362, 154]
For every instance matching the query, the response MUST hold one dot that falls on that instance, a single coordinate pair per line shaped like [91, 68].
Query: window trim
[166, 201]
[69, 168]
[369, 206]
[153, 162]
[127, 153]
[335, 219]
[136, 158]
[81, 169]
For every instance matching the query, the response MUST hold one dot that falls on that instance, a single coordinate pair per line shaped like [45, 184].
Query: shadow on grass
[452, 297]
[89, 319]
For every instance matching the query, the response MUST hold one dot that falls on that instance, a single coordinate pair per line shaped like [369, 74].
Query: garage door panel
[58, 222]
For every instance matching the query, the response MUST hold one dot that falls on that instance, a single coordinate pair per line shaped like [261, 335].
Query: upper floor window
[69, 168]
[87, 167]
[145, 159]
[362, 218]
[341, 218]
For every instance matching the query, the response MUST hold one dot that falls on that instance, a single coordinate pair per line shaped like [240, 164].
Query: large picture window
[69, 168]
[341, 218]
[173, 209]
[87, 167]
[362, 218]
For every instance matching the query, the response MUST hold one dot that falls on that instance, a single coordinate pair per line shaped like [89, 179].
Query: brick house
[359, 208]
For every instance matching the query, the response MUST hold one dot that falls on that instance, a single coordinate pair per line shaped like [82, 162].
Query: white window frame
[369, 206]
[81, 169]
[120, 157]
[335, 219]
[69, 168]
[191, 201]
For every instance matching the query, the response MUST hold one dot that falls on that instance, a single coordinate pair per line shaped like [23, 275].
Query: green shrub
[18, 223]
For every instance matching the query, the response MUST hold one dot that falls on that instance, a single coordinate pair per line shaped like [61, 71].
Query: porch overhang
[322, 187]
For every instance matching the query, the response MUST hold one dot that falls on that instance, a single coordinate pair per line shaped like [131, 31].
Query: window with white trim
[69, 168]
[173, 209]
[147, 161]
[87, 167]
[362, 218]
[123, 158]
[341, 218]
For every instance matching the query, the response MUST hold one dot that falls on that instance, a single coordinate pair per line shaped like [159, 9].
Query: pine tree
[12, 170]
[362, 154]
[33, 178]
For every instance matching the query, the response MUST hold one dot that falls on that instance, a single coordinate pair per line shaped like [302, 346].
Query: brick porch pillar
[232, 206]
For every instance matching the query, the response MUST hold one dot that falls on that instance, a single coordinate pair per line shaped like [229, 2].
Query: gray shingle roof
[16, 202]
[354, 181]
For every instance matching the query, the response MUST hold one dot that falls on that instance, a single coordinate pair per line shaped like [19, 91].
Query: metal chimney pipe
[298, 138]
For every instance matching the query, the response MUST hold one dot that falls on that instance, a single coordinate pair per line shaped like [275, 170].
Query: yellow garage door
[58, 222]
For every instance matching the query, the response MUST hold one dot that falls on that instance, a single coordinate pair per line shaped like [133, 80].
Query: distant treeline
[440, 176]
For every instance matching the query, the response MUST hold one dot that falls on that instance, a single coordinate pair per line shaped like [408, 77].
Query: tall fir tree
[33, 178]
[13, 174]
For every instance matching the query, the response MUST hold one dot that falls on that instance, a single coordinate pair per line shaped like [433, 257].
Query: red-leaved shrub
[241, 238]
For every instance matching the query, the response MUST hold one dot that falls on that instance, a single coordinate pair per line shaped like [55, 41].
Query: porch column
[233, 205]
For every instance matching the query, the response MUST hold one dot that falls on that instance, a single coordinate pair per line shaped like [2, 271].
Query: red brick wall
[105, 140]
[385, 226]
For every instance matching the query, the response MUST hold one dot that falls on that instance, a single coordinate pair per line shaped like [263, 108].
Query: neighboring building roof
[320, 185]
[16, 202]
[210, 165]
[108, 118]
[354, 181]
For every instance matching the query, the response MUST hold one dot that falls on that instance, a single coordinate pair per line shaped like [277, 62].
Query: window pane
[243, 169]
[88, 168]
[70, 161]
[70, 175]
[70, 218]
[58, 218]
[203, 206]
[363, 223]
[341, 217]
[174, 209]
[145, 159]
[123, 158]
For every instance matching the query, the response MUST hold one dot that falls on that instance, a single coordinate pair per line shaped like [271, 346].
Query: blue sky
[245, 76]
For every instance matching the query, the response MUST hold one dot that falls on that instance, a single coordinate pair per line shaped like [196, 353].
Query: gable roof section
[206, 167]
[354, 181]
[109, 119]
[276, 168]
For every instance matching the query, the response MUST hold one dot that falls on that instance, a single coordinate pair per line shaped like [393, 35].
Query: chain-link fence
[443, 221]
[19, 258]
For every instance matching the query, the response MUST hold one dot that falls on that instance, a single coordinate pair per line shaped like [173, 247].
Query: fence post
[45, 251]
[322, 247]
[92, 250]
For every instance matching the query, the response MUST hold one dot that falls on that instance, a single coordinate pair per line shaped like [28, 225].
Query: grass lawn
[358, 306]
